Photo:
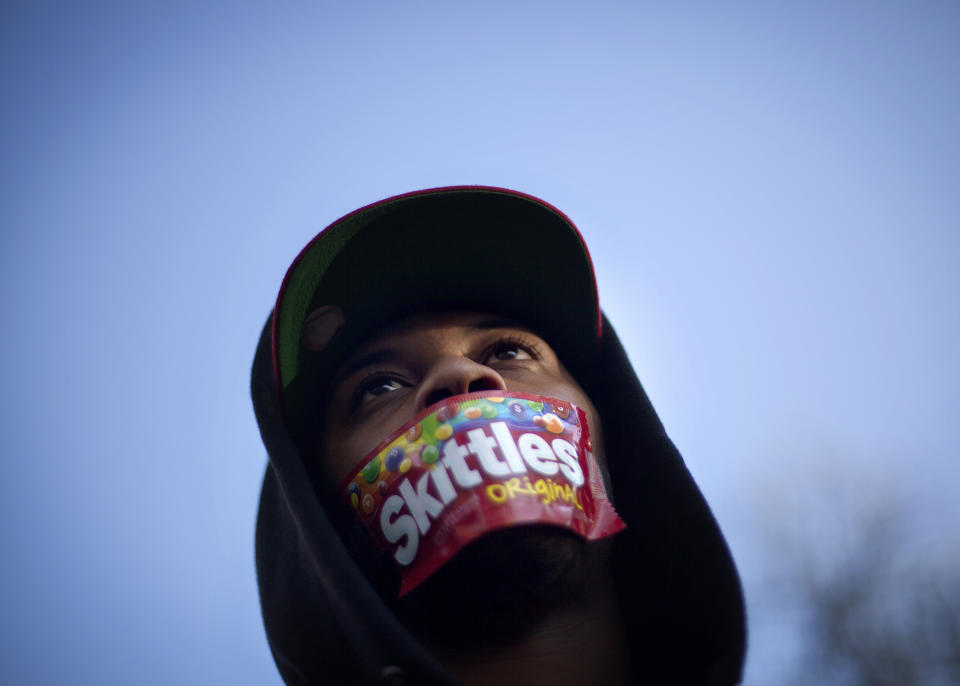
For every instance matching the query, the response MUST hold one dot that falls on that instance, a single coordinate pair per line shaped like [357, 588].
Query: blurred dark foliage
[866, 571]
[884, 614]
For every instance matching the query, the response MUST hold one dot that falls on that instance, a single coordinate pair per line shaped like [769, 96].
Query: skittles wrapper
[477, 463]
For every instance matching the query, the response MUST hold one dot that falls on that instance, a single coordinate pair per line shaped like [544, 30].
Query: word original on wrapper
[477, 463]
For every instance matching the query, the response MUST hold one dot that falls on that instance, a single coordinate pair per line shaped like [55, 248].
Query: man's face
[423, 359]
[515, 575]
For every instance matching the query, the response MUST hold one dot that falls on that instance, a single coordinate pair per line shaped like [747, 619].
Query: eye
[375, 386]
[381, 386]
[509, 350]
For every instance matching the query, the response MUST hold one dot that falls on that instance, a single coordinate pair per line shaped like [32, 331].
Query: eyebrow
[500, 324]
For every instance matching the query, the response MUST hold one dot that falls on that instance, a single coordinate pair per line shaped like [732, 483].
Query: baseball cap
[459, 247]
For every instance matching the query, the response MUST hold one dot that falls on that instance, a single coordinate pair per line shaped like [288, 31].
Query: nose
[453, 375]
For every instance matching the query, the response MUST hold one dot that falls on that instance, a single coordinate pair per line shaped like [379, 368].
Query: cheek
[345, 447]
[340, 451]
[343, 454]
[342, 446]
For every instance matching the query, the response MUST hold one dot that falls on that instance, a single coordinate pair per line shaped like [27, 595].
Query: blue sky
[768, 190]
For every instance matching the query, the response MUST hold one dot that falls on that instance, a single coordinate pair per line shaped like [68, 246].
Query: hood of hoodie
[676, 582]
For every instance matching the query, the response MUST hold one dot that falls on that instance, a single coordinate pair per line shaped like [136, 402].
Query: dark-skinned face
[512, 575]
[425, 358]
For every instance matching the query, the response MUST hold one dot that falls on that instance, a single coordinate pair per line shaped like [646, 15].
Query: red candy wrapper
[473, 464]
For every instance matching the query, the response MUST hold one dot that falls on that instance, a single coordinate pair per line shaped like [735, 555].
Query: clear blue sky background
[769, 190]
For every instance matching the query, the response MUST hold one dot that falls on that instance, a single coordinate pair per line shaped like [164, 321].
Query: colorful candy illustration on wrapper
[422, 441]
[503, 458]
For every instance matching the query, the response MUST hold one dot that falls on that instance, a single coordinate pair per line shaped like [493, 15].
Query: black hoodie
[676, 583]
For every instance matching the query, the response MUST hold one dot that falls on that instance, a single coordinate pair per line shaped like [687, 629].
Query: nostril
[483, 384]
[436, 396]
[451, 375]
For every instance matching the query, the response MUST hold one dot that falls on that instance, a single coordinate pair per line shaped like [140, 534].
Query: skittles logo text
[496, 450]
[529, 450]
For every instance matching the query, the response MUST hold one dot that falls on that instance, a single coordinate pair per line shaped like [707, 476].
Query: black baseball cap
[459, 247]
